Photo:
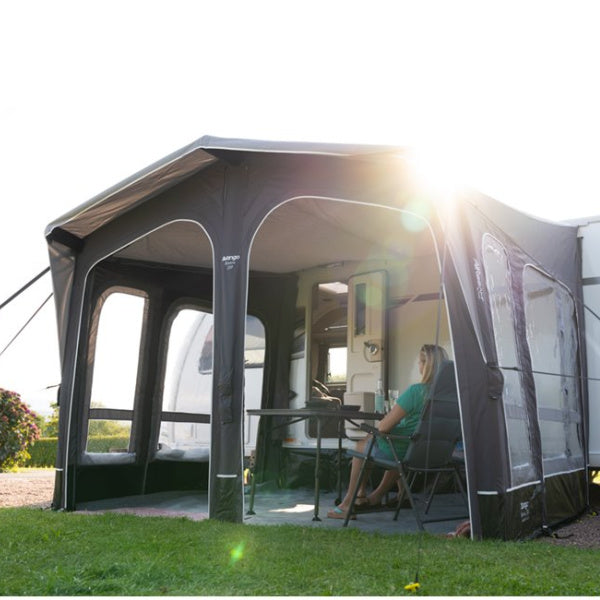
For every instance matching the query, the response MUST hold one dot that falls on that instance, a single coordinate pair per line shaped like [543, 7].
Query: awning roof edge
[156, 177]
[181, 164]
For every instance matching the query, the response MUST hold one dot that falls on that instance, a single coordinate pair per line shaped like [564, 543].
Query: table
[294, 415]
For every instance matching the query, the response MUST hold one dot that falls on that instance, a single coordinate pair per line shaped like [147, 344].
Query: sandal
[338, 513]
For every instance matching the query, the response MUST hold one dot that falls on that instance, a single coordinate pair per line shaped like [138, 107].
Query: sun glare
[438, 173]
[437, 170]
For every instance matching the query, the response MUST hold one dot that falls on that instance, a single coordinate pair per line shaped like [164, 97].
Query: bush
[50, 427]
[108, 443]
[18, 430]
[43, 453]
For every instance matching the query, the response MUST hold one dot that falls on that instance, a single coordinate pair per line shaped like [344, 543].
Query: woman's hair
[431, 356]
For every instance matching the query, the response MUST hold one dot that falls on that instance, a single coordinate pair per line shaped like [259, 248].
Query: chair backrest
[434, 440]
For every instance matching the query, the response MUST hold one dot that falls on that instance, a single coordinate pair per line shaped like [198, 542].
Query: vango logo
[230, 261]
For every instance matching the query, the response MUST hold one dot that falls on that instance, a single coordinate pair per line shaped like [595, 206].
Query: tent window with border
[187, 392]
[499, 287]
[552, 340]
[115, 369]
[188, 384]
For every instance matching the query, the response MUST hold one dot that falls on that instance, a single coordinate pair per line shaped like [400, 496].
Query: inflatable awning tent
[231, 225]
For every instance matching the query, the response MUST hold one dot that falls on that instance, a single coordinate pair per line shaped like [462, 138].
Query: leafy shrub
[18, 430]
[108, 443]
[50, 427]
[43, 453]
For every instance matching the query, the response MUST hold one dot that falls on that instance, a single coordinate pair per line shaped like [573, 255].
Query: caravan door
[367, 301]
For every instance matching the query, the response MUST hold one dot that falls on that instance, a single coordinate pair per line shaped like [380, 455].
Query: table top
[315, 412]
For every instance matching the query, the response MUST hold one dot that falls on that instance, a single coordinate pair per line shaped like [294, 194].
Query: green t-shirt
[411, 402]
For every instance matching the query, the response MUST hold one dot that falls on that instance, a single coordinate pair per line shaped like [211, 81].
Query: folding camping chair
[430, 449]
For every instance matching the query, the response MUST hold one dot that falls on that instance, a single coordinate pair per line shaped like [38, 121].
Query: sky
[499, 95]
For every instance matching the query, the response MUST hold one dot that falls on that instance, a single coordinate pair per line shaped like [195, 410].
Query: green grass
[69, 554]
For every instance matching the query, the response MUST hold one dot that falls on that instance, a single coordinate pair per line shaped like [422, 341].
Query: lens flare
[236, 553]
[418, 214]
[438, 172]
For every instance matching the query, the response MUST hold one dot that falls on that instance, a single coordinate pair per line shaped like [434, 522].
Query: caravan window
[360, 309]
[552, 339]
[115, 368]
[336, 365]
[498, 282]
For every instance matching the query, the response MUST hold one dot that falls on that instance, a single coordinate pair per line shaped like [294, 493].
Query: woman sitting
[402, 420]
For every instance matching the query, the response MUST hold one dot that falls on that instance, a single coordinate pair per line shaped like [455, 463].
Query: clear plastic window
[115, 370]
[552, 339]
[188, 374]
[188, 384]
[254, 344]
[117, 352]
[108, 436]
[517, 423]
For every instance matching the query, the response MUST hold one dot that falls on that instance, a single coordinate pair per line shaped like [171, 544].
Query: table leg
[339, 461]
[317, 468]
[250, 510]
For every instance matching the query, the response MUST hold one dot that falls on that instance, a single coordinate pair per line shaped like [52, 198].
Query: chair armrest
[369, 428]
[356, 453]
[391, 436]
[396, 436]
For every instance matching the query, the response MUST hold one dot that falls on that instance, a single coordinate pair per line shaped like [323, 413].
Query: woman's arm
[391, 419]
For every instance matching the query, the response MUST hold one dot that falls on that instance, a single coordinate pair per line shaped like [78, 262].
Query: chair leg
[402, 491]
[406, 484]
[400, 499]
[461, 487]
[432, 493]
[406, 490]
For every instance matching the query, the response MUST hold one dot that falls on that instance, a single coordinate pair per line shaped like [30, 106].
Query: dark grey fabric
[204, 207]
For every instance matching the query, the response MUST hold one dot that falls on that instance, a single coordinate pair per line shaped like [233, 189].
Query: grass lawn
[67, 554]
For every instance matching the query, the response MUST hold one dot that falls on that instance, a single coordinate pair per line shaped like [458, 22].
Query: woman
[402, 419]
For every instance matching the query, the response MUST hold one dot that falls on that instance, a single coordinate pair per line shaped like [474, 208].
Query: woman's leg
[357, 463]
[390, 477]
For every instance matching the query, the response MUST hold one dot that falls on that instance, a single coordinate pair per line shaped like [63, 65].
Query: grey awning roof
[181, 164]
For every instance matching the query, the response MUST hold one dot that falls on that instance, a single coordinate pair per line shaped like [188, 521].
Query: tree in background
[102, 428]
[50, 427]
[95, 428]
[18, 429]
